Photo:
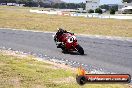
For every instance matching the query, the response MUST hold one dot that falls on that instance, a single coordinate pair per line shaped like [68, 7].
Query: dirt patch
[2, 64]
[130, 86]
[15, 82]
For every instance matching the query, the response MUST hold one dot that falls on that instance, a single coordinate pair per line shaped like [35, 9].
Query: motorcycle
[68, 42]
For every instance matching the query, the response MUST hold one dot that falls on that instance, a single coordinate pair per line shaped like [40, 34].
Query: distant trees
[104, 7]
[107, 7]
[112, 11]
[128, 1]
[15, 1]
[98, 10]
[6, 1]
[42, 3]
[68, 5]
[31, 4]
[91, 11]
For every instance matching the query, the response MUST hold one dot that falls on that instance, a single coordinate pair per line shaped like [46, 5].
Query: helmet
[60, 30]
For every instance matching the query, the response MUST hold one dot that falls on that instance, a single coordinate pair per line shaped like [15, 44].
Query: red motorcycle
[68, 42]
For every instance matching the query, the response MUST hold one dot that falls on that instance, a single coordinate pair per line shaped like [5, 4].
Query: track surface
[112, 55]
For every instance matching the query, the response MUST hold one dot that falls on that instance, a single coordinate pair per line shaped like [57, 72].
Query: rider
[58, 34]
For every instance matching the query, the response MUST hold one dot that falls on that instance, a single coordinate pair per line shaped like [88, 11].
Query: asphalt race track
[106, 54]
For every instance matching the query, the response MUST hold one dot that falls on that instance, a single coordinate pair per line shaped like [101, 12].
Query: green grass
[21, 18]
[28, 73]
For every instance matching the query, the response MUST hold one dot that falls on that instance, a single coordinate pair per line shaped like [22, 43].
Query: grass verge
[21, 18]
[25, 72]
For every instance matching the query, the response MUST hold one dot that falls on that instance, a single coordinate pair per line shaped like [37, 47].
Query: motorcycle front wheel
[80, 49]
